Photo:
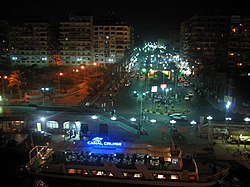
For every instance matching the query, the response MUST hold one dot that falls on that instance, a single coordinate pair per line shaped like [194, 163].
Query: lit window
[159, 176]
[137, 175]
[102, 173]
[175, 160]
[174, 177]
[52, 125]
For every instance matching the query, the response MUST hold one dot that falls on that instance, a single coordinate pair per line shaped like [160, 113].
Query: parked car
[127, 83]
[178, 116]
[43, 136]
[187, 98]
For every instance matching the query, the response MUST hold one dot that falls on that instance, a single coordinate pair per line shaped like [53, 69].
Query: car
[41, 136]
[127, 83]
[88, 104]
[190, 94]
[187, 98]
[178, 116]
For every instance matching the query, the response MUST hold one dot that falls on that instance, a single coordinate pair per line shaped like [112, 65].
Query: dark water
[13, 158]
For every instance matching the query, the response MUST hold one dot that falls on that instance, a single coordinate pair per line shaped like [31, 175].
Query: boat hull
[55, 178]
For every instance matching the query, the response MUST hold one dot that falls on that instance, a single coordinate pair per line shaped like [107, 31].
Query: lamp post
[59, 84]
[140, 115]
[247, 119]
[152, 121]
[172, 122]
[228, 104]
[132, 119]
[228, 119]
[193, 123]
[3, 78]
[83, 70]
[113, 118]
[44, 89]
[210, 133]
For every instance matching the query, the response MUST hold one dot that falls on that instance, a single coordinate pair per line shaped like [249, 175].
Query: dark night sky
[151, 18]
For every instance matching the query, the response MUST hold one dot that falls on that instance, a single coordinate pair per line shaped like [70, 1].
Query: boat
[104, 161]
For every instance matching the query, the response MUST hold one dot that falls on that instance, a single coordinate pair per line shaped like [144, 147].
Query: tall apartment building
[239, 43]
[4, 50]
[112, 40]
[75, 40]
[185, 34]
[29, 42]
[207, 41]
[71, 42]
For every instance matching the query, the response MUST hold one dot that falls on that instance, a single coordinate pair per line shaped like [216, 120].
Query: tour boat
[120, 163]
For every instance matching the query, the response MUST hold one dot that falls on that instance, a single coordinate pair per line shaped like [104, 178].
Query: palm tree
[16, 80]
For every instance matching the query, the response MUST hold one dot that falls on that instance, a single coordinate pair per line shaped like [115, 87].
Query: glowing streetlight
[3, 78]
[228, 105]
[113, 118]
[209, 118]
[59, 84]
[94, 117]
[132, 119]
[210, 131]
[228, 119]
[193, 123]
[247, 119]
[172, 122]
[44, 89]
[152, 121]
[42, 119]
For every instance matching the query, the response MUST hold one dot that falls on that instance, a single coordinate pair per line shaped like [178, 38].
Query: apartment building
[111, 42]
[208, 39]
[239, 42]
[75, 40]
[29, 42]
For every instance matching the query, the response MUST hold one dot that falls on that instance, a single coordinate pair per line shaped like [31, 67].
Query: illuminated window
[77, 171]
[132, 175]
[174, 177]
[71, 171]
[159, 176]
[175, 161]
[137, 175]
[52, 125]
[102, 173]
[66, 125]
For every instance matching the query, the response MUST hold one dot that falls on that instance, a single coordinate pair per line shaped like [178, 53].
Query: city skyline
[151, 20]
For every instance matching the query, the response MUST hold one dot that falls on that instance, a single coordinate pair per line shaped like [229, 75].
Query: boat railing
[38, 154]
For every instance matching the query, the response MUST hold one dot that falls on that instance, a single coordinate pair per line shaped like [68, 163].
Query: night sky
[152, 19]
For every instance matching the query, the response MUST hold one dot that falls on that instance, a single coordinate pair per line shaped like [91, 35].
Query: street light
[228, 119]
[132, 119]
[172, 122]
[247, 119]
[44, 89]
[3, 78]
[193, 123]
[209, 118]
[59, 84]
[113, 118]
[228, 104]
[152, 121]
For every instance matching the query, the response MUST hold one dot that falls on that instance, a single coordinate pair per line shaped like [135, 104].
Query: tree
[16, 81]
